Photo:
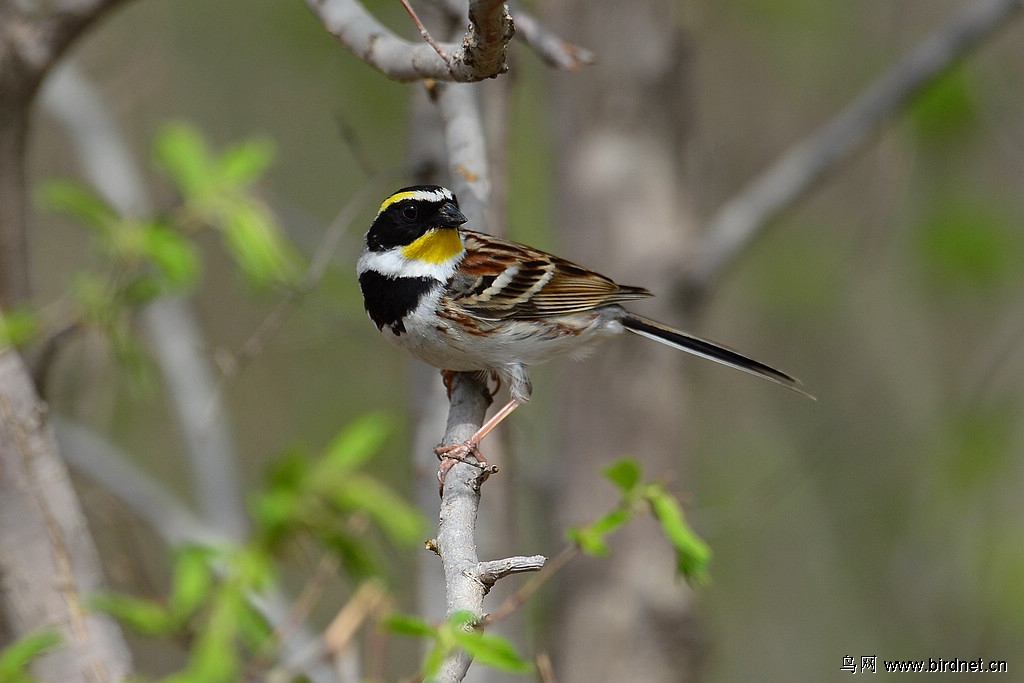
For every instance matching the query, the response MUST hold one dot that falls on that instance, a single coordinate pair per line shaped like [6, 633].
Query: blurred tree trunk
[48, 563]
[622, 209]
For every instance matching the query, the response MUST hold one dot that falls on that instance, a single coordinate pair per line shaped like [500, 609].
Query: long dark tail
[646, 327]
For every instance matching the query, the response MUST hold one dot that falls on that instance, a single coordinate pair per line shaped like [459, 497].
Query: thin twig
[490, 571]
[513, 602]
[556, 52]
[553, 49]
[355, 146]
[369, 599]
[297, 615]
[544, 668]
[426, 34]
[232, 365]
[481, 54]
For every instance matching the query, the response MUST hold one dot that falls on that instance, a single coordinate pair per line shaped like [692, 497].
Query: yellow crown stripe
[422, 195]
[434, 246]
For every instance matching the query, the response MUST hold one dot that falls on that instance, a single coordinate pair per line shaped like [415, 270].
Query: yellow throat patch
[434, 246]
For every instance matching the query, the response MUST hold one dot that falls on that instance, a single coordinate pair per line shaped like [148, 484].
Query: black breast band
[388, 299]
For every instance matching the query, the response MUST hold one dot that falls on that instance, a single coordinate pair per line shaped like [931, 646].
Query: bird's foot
[467, 452]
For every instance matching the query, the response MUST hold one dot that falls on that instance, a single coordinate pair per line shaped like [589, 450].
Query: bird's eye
[410, 212]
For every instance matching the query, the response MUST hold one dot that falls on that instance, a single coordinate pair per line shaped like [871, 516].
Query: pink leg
[471, 446]
[487, 427]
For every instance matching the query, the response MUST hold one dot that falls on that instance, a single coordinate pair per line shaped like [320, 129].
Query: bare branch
[556, 52]
[481, 55]
[37, 39]
[456, 533]
[177, 343]
[104, 463]
[48, 562]
[513, 602]
[744, 216]
[467, 150]
[425, 33]
[491, 571]
[30, 44]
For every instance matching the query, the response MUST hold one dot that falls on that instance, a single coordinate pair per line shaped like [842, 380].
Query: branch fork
[481, 55]
[467, 578]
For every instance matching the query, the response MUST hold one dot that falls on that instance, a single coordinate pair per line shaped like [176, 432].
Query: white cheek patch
[393, 264]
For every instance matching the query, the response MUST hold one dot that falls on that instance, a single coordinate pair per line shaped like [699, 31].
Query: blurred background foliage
[884, 520]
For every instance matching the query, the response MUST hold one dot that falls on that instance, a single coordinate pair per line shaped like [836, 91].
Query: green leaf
[80, 202]
[145, 616]
[408, 625]
[589, 542]
[625, 474]
[175, 256]
[215, 657]
[692, 553]
[398, 519]
[142, 290]
[192, 583]
[245, 162]
[968, 242]
[356, 554]
[462, 620]
[182, 153]
[17, 326]
[252, 568]
[591, 538]
[979, 444]
[276, 509]
[253, 628]
[89, 290]
[255, 241]
[611, 521]
[434, 658]
[17, 656]
[948, 108]
[492, 650]
[288, 469]
[356, 443]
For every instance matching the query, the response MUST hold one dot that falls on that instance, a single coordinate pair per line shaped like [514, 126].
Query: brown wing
[502, 280]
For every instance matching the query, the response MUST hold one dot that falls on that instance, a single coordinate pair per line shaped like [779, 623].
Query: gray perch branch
[467, 579]
[481, 55]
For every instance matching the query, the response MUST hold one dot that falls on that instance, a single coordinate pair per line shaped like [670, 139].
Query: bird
[467, 301]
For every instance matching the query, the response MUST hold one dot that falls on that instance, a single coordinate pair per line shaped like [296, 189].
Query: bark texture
[48, 563]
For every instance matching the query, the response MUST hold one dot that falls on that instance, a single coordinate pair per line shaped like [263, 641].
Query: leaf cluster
[330, 499]
[460, 631]
[216, 191]
[638, 497]
[211, 599]
[141, 258]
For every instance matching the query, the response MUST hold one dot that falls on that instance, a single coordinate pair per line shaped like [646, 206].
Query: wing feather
[503, 280]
